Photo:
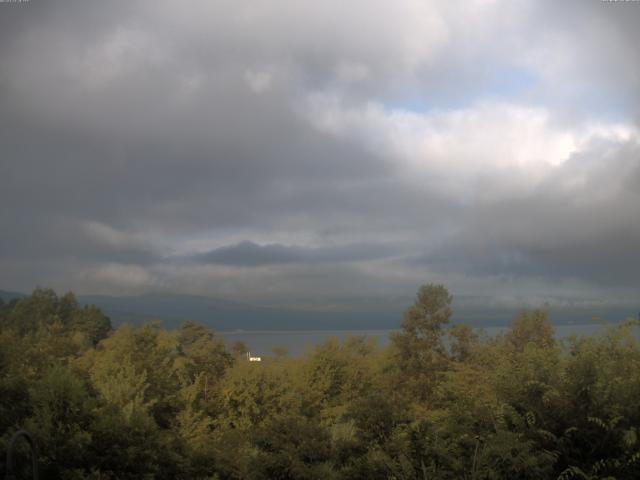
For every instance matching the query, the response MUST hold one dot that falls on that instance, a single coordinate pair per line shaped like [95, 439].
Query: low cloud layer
[249, 254]
[321, 151]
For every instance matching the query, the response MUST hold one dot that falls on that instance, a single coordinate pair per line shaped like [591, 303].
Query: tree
[334, 374]
[31, 313]
[420, 350]
[280, 351]
[62, 415]
[239, 348]
[204, 351]
[14, 398]
[291, 447]
[91, 322]
[531, 327]
[147, 351]
[462, 339]
[251, 394]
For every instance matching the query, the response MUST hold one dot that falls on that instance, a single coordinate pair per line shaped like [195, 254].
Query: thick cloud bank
[321, 150]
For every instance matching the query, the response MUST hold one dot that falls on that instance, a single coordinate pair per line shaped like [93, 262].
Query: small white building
[253, 359]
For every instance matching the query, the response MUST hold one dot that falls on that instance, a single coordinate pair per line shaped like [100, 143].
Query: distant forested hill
[225, 315]
[8, 296]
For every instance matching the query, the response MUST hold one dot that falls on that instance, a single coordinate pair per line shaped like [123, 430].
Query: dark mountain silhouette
[225, 315]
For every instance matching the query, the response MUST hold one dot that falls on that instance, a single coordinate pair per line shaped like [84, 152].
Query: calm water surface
[299, 341]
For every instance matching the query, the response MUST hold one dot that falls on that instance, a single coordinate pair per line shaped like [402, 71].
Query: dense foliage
[441, 402]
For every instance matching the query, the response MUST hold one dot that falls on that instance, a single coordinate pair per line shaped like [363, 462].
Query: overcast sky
[315, 152]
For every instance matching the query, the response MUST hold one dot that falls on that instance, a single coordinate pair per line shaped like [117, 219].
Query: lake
[261, 343]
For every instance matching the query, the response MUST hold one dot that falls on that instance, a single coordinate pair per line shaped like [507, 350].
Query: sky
[322, 153]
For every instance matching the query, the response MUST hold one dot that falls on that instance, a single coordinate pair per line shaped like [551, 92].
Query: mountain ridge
[228, 315]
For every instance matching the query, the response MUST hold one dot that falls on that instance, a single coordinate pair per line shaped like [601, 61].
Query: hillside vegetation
[441, 402]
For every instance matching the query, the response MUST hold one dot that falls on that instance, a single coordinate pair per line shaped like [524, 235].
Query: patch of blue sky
[506, 83]
[518, 84]
[511, 81]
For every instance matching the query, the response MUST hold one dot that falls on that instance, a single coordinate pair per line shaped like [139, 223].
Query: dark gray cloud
[581, 222]
[491, 145]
